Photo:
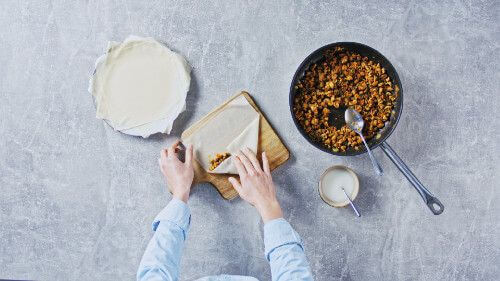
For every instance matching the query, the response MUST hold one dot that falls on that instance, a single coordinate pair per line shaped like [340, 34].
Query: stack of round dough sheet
[140, 86]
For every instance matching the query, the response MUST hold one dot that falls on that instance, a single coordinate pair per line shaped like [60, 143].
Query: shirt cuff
[176, 212]
[279, 232]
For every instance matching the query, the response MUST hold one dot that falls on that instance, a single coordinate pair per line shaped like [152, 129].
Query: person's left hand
[179, 175]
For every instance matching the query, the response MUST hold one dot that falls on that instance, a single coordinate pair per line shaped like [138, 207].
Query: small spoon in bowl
[351, 203]
[355, 121]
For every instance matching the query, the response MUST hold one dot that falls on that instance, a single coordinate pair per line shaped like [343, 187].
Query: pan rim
[309, 60]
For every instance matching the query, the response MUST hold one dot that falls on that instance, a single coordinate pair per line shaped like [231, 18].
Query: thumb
[159, 164]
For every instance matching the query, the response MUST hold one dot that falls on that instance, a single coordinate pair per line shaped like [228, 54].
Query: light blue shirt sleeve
[161, 260]
[163, 254]
[285, 252]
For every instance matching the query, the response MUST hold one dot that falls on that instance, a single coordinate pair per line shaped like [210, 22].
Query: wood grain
[269, 141]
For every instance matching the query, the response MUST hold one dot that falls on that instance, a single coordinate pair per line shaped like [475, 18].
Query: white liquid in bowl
[333, 181]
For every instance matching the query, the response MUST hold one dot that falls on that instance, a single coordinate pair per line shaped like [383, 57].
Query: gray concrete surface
[77, 198]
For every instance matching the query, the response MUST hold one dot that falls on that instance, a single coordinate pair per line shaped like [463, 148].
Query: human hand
[256, 187]
[179, 175]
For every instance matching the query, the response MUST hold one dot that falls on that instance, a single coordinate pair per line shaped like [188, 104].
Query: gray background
[77, 198]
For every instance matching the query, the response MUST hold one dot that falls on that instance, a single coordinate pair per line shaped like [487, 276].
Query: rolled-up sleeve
[285, 252]
[163, 254]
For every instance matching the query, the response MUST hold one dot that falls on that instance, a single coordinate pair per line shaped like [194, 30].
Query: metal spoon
[352, 204]
[354, 120]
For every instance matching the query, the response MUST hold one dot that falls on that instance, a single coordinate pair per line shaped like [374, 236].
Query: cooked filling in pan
[344, 79]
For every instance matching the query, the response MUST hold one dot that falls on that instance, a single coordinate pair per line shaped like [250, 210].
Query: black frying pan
[338, 114]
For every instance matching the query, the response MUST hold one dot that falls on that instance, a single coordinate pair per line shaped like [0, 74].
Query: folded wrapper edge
[249, 137]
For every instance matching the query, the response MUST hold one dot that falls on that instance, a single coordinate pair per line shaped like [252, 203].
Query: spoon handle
[351, 203]
[375, 163]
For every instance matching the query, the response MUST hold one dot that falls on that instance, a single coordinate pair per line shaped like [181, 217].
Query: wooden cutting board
[269, 142]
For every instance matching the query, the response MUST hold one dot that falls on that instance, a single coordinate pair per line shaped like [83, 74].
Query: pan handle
[432, 202]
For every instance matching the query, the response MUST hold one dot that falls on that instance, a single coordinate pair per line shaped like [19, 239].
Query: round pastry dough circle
[139, 82]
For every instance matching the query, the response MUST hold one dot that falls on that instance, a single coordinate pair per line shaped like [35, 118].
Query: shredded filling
[344, 79]
[219, 158]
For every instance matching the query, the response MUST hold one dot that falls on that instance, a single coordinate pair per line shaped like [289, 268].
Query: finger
[248, 165]
[163, 155]
[236, 184]
[265, 163]
[159, 163]
[172, 151]
[162, 170]
[239, 166]
[251, 156]
[189, 155]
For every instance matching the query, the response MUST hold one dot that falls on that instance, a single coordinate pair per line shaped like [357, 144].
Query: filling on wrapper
[228, 129]
[218, 159]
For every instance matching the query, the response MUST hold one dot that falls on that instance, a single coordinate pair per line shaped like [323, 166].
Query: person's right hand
[256, 187]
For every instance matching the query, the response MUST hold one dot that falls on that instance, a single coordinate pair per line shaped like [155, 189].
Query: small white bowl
[353, 193]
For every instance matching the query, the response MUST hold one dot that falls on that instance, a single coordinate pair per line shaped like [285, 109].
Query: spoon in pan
[354, 120]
